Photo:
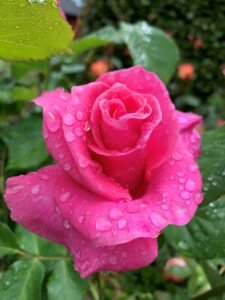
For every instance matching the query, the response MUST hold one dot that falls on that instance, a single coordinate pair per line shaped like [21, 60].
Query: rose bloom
[186, 71]
[125, 169]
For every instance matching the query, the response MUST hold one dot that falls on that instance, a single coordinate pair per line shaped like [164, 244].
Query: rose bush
[125, 169]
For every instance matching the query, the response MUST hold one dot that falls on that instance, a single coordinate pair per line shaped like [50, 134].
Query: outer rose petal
[172, 197]
[64, 133]
[187, 123]
[30, 199]
[142, 81]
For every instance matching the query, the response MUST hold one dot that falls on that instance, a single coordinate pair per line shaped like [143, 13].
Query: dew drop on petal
[122, 223]
[81, 219]
[68, 119]
[78, 131]
[190, 185]
[103, 224]
[35, 189]
[192, 168]
[65, 196]
[185, 195]
[82, 161]
[66, 224]
[157, 219]
[177, 156]
[67, 167]
[53, 121]
[115, 213]
[79, 115]
[70, 137]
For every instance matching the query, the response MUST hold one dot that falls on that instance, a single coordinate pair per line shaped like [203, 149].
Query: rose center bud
[122, 122]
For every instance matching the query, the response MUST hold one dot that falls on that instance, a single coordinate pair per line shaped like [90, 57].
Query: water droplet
[79, 115]
[177, 156]
[6, 285]
[113, 260]
[81, 219]
[15, 189]
[53, 121]
[157, 219]
[44, 176]
[35, 189]
[87, 126]
[68, 119]
[82, 161]
[66, 224]
[122, 223]
[61, 155]
[115, 213]
[185, 195]
[65, 196]
[70, 137]
[67, 167]
[103, 224]
[78, 131]
[190, 185]
[192, 168]
[198, 198]
[85, 265]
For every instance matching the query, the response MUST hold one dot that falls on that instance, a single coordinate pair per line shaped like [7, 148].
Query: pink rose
[125, 169]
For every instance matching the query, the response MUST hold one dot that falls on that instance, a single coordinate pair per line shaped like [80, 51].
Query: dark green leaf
[212, 164]
[22, 281]
[65, 283]
[32, 243]
[32, 31]
[8, 243]
[26, 145]
[97, 39]
[151, 48]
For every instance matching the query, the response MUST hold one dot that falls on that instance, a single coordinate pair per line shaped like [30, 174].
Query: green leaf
[212, 164]
[32, 31]
[22, 281]
[99, 38]
[26, 145]
[8, 242]
[204, 237]
[32, 243]
[151, 48]
[65, 283]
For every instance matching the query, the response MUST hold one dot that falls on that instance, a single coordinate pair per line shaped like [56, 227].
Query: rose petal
[139, 80]
[30, 199]
[64, 133]
[124, 257]
[172, 197]
[187, 123]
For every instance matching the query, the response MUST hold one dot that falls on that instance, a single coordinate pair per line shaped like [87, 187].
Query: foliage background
[31, 267]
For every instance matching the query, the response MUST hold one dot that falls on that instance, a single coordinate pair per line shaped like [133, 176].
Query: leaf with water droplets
[32, 243]
[212, 164]
[32, 30]
[65, 283]
[22, 280]
[151, 48]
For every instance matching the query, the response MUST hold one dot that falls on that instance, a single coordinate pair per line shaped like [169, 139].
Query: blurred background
[183, 41]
